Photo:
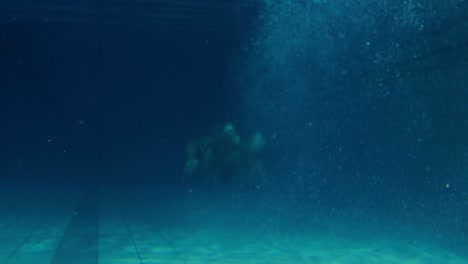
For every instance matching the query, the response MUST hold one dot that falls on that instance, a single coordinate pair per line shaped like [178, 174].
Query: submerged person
[222, 156]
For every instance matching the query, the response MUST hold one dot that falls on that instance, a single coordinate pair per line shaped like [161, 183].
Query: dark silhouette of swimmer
[222, 156]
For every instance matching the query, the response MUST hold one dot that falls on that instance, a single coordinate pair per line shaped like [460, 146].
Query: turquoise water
[234, 132]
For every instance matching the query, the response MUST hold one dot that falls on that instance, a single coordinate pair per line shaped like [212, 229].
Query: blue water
[234, 131]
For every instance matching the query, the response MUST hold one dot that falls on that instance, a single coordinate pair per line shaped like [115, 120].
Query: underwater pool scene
[234, 131]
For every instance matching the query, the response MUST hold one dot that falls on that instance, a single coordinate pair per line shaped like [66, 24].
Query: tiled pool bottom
[57, 226]
[203, 246]
[206, 247]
